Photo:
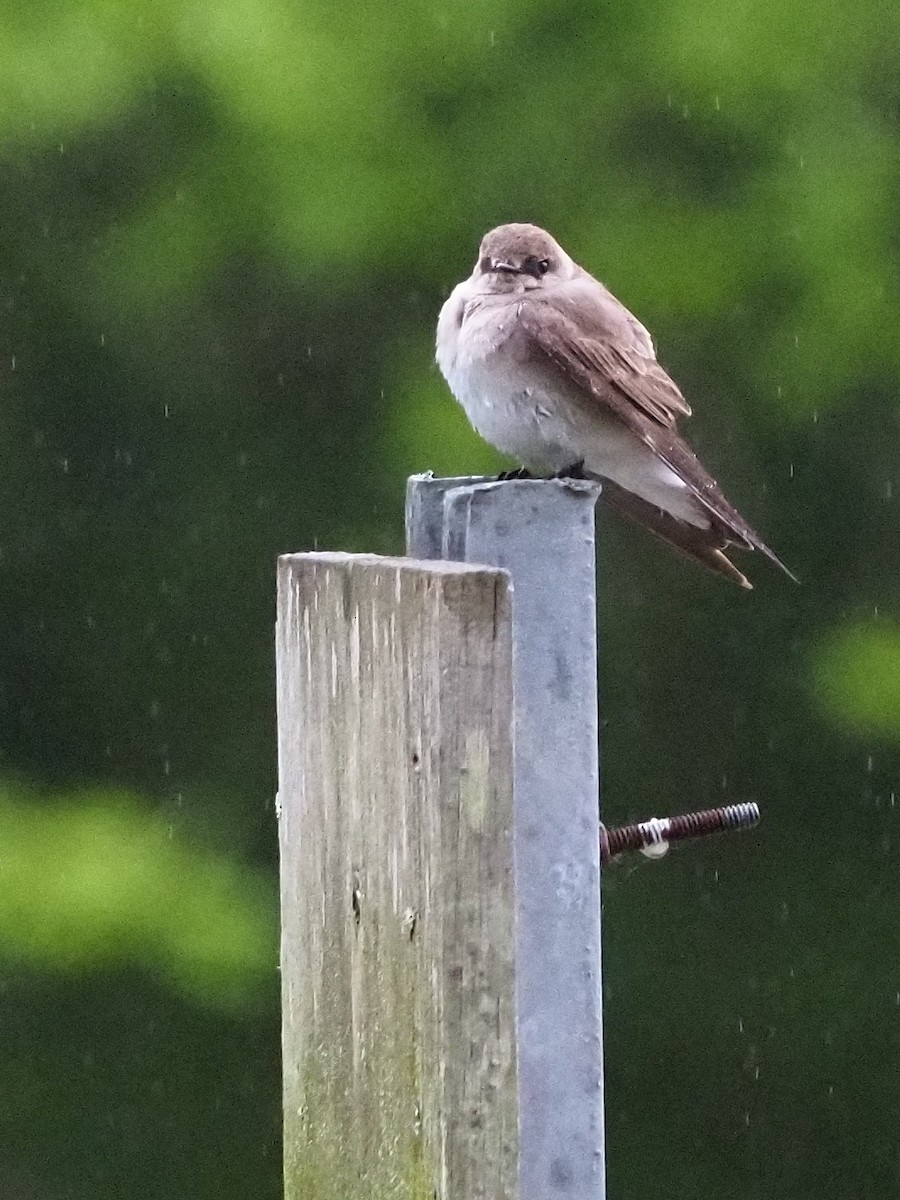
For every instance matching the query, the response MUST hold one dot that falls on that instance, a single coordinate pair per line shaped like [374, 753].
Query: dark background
[227, 228]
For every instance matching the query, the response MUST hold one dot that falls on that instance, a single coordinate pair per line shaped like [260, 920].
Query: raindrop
[791, 472]
[717, 104]
[166, 411]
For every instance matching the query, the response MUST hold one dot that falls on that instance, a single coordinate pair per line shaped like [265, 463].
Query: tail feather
[704, 546]
[680, 458]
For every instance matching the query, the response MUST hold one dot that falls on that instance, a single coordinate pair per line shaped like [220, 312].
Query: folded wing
[585, 334]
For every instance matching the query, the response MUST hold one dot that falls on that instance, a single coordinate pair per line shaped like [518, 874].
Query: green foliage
[228, 226]
[95, 882]
[858, 676]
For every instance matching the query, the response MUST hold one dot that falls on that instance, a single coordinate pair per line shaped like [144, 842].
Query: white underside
[548, 432]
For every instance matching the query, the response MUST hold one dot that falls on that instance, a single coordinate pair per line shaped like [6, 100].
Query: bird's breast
[505, 398]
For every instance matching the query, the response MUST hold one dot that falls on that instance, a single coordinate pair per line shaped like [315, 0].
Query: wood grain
[395, 786]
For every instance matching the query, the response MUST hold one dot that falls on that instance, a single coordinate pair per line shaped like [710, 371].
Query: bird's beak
[504, 266]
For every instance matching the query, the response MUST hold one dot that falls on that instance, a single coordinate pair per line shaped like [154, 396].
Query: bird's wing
[588, 339]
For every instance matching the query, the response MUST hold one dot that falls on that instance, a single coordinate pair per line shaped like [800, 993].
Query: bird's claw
[575, 470]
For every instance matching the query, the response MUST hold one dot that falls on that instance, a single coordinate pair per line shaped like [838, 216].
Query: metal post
[542, 532]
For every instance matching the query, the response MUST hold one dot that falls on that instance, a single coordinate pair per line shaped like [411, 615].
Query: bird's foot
[575, 470]
[519, 473]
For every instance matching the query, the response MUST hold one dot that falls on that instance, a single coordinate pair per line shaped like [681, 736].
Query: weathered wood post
[440, 891]
[395, 783]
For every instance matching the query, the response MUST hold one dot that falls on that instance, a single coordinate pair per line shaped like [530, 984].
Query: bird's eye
[536, 266]
[486, 265]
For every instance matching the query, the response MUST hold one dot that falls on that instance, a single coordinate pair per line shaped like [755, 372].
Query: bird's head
[516, 258]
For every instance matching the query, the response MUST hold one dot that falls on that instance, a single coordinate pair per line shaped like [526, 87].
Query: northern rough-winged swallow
[554, 371]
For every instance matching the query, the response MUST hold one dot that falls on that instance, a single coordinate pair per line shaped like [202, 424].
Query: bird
[555, 372]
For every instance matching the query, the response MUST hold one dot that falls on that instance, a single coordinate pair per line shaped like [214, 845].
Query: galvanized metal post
[542, 532]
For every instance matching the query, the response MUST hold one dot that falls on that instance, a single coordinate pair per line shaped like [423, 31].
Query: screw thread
[677, 829]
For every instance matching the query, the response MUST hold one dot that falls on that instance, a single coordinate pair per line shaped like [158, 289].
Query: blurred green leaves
[95, 883]
[857, 679]
[341, 145]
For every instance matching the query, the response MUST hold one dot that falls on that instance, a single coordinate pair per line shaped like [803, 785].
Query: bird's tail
[705, 546]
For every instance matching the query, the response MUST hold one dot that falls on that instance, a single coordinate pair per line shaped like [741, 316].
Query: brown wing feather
[639, 379]
[635, 388]
[609, 339]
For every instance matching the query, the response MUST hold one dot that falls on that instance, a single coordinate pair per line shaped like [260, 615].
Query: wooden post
[542, 531]
[398, 945]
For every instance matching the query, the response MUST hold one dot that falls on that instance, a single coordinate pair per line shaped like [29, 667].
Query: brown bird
[554, 371]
